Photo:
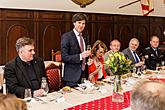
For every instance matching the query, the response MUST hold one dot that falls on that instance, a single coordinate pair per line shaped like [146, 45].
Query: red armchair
[54, 77]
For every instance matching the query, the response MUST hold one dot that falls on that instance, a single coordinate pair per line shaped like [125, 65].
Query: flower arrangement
[118, 63]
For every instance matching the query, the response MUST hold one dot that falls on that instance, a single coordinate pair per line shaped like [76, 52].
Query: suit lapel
[75, 39]
[24, 72]
[131, 56]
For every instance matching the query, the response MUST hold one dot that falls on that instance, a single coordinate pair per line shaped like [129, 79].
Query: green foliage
[119, 64]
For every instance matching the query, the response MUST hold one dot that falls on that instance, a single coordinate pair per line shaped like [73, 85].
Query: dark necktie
[136, 58]
[82, 50]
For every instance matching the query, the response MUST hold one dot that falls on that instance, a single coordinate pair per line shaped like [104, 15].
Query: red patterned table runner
[104, 104]
[158, 79]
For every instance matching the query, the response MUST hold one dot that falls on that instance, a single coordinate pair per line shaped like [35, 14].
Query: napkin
[86, 87]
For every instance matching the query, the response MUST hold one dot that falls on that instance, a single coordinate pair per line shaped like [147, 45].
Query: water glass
[27, 95]
[44, 85]
[158, 67]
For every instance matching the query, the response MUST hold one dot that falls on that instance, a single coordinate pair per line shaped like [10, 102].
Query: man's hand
[139, 64]
[86, 54]
[38, 93]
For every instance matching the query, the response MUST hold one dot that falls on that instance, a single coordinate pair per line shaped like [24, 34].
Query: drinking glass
[143, 68]
[1, 80]
[138, 71]
[44, 85]
[158, 67]
[27, 95]
[163, 65]
[89, 47]
[134, 70]
[82, 80]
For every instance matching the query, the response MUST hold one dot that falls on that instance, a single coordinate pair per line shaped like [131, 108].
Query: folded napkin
[86, 87]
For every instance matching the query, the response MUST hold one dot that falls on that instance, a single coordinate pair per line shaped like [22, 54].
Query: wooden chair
[56, 56]
[53, 72]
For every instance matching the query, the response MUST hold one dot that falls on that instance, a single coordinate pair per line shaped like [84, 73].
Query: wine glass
[44, 86]
[89, 47]
[82, 80]
[27, 95]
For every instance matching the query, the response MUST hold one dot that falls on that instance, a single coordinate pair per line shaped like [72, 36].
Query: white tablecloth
[71, 99]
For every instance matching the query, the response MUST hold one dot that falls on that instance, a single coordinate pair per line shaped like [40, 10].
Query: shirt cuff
[81, 56]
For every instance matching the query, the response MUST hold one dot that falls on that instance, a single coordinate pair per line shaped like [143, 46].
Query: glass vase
[118, 95]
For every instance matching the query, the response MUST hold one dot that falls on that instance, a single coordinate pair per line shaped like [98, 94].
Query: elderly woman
[96, 62]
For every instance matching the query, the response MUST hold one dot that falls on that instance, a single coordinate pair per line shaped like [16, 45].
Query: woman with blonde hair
[96, 62]
[11, 102]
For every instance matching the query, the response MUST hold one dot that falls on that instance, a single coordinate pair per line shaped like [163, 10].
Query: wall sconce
[83, 3]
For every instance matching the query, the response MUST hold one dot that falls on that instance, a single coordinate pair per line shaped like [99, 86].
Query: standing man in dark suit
[152, 54]
[130, 52]
[25, 71]
[73, 51]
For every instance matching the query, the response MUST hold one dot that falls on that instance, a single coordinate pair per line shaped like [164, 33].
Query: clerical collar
[26, 63]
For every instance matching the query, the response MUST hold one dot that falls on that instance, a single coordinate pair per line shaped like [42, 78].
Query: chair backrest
[52, 55]
[56, 56]
[54, 77]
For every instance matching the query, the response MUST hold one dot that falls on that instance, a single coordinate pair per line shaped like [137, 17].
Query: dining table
[98, 99]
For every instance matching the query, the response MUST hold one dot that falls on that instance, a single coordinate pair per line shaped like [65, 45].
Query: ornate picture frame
[83, 3]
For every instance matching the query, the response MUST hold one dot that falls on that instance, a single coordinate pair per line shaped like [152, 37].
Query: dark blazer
[152, 59]
[70, 50]
[17, 77]
[128, 54]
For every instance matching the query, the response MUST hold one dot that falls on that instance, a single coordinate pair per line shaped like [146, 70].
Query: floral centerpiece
[119, 65]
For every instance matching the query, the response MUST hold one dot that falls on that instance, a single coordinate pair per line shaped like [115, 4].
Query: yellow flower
[118, 63]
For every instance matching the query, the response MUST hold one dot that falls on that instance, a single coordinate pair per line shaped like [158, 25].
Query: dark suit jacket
[17, 77]
[128, 54]
[152, 59]
[70, 50]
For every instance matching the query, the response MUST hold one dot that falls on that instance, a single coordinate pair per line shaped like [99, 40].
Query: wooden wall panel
[157, 27]
[51, 40]
[46, 27]
[14, 32]
[142, 32]
[104, 28]
[123, 30]
[105, 33]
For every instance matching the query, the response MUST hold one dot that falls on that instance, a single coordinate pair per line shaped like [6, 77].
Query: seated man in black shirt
[25, 71]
